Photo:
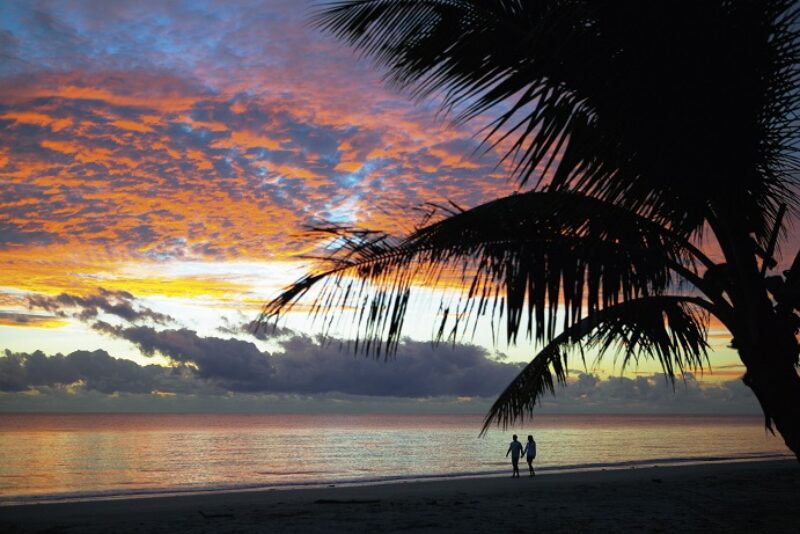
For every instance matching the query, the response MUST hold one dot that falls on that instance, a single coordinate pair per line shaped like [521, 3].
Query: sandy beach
[731, 497]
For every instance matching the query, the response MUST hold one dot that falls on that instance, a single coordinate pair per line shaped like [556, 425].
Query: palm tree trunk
[763, 337]
[773, 377]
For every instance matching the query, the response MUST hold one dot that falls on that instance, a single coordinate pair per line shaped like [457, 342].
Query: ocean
[64, 457]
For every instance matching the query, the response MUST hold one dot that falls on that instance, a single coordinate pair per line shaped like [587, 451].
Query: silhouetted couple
[515, 450]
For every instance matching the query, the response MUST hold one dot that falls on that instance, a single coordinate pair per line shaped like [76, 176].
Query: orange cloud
[349, 166]
[38, 119]
[247, 139]
[60, 146]
[132, 126]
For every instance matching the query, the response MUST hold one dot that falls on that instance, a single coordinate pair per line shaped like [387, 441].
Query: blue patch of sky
[311, 138]
[183, 134]
[11, 16]
[59, 36]
[343, 212]
[354, 179]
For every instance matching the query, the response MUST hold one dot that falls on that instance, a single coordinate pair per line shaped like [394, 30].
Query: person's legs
[515, 464]
[530, 465]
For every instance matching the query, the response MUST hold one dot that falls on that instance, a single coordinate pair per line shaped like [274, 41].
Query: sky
[159, 163]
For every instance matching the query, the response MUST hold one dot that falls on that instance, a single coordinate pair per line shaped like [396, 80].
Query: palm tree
[641, 131]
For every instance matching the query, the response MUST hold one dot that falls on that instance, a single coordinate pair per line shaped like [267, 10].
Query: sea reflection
[95, 454]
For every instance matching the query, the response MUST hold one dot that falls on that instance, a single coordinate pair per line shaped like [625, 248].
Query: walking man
[515, 450]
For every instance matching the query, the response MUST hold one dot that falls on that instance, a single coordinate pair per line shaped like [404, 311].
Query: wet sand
[729, 497]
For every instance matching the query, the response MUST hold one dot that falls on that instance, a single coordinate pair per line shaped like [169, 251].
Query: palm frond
[517, 258]
[481, 56]
[669, 329]
[659, 106]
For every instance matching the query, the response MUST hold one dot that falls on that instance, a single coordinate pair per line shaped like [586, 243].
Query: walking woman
[530, 454]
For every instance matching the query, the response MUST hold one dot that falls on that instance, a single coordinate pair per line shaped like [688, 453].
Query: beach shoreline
[735, 496]
[153, 493]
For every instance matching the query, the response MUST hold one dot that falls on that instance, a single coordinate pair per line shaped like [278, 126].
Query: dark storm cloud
[309, 366]
[318, 373]
[118, 303]
[652, 393]
[91, 371]
[237, 365]
[418, 370]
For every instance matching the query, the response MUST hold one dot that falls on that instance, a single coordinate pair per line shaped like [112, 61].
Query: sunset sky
[158, 164]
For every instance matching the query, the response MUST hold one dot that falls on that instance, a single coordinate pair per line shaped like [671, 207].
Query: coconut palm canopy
[636, 130]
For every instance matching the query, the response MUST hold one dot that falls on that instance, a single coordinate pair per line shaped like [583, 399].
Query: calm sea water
[77, 456]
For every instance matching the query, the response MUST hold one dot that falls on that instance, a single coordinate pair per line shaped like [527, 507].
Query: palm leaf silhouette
[640, 129]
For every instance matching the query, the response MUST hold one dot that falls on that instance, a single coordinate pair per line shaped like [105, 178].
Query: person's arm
[508, 451]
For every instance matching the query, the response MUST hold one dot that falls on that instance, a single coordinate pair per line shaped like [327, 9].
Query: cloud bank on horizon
[214, 373]
[301, 372]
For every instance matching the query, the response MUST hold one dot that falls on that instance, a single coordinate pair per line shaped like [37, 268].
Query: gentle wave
[117, 494]
[67, 457]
